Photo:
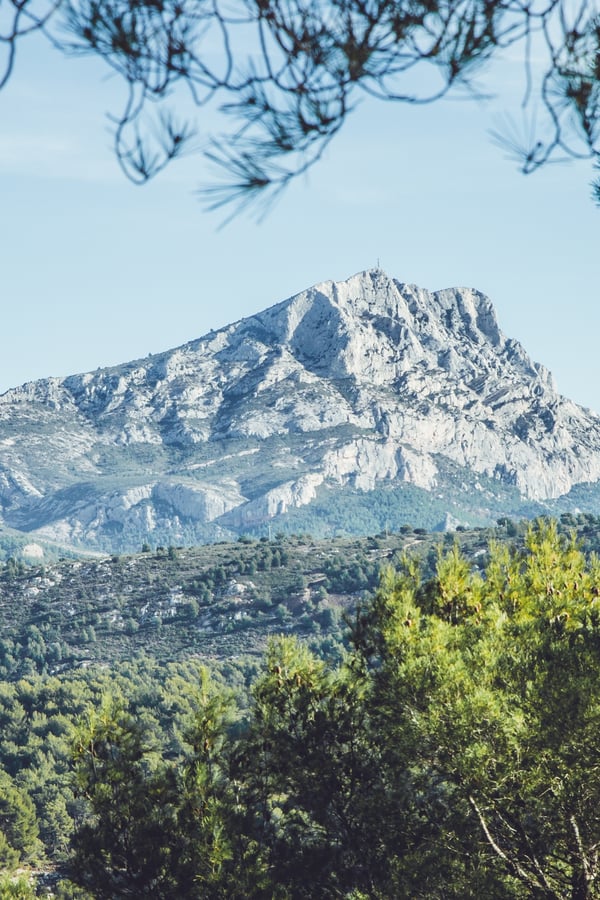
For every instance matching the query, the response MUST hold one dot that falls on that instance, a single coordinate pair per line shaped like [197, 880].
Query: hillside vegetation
[218, 601]
[439, 743]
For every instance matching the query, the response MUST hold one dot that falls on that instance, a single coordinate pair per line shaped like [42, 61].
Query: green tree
[126, 845]
[18, 825]
[217, 859]
[16, 888]
[309, 777]
[497, 688]
[160, 822]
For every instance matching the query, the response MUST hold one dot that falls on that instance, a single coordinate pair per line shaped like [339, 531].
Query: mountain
[349, 406]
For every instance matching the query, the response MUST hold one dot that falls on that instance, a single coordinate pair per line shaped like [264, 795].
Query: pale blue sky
[96, 271]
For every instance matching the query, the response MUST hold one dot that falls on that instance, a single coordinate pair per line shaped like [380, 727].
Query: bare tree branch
[537, 882]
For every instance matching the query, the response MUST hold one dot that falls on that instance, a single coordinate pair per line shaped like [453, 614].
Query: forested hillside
[442, 743]
[220, 600]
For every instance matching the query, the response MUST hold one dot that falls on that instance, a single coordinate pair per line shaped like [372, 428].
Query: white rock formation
[345, 385]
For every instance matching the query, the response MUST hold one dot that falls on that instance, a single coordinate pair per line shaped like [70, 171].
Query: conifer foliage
[287, 73]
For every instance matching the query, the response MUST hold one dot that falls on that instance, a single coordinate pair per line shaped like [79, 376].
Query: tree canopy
[287, 73]
[452, 754]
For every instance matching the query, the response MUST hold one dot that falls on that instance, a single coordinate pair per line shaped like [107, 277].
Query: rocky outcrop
[203, 502]
[344, 386]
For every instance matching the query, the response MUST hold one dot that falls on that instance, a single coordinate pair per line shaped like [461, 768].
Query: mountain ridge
[344, 386]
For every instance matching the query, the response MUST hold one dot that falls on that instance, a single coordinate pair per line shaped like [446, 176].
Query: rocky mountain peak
[345, 326]
[346, 386]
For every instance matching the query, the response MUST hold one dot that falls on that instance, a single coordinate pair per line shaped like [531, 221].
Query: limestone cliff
[345, 386]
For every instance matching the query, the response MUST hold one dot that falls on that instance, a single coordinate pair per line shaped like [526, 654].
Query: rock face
[343, 387]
